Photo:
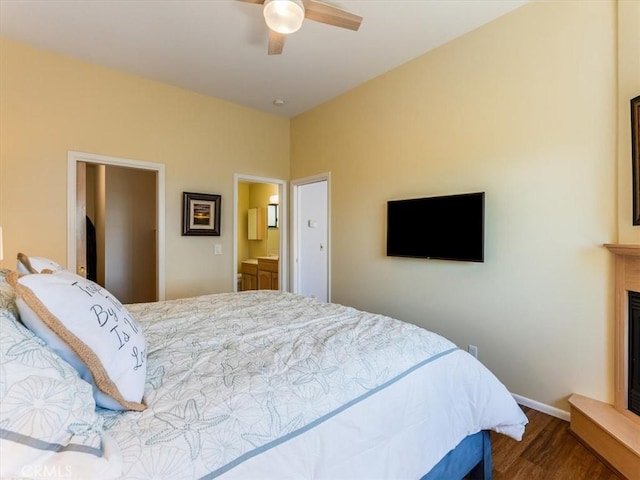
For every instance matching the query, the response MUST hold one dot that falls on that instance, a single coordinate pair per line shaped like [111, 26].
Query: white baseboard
[542, 407]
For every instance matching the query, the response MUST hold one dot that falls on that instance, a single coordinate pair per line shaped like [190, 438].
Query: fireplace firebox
[633, 402]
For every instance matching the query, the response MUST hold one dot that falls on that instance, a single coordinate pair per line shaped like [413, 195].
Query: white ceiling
[219, 47]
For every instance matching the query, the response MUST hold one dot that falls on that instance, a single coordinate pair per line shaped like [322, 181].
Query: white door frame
[283, 276]
[72, 159]
[296, 225]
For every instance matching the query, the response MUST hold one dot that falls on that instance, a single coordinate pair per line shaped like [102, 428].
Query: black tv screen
[447, 227]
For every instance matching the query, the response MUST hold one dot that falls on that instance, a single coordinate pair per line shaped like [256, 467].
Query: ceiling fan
[286, 16]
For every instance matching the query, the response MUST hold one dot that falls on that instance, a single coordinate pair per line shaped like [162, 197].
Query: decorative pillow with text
[88, 327]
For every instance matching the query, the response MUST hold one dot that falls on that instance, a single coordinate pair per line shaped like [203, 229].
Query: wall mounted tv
[447, 227]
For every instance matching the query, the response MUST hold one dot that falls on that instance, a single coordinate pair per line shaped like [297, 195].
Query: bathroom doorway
[260, 238]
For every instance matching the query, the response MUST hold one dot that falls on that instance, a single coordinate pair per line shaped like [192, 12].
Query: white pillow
[48, 421]
[89, 328]
[28, 265]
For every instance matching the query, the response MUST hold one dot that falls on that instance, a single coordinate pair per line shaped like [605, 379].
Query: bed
[263, 385]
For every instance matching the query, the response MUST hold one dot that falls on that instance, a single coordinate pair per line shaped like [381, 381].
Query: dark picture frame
[200, 214]
[635, 156]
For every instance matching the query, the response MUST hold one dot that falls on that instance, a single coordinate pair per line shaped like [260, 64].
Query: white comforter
[270, 385]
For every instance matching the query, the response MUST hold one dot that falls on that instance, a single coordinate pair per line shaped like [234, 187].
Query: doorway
[311, 237]
[103, 191]
[260, 233]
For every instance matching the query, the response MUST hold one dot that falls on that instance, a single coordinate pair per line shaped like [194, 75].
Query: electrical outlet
[473, 350]
[217, 249]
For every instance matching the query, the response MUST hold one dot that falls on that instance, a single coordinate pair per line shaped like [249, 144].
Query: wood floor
[547, 452]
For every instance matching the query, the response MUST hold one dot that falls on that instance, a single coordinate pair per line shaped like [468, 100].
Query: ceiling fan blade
[276, 42]
[251, 1]
[323, 13]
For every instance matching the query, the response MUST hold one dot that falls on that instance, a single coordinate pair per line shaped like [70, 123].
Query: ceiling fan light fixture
[283, 16]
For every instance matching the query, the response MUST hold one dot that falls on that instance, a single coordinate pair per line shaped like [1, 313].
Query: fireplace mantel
[613, 431]
[628, 249]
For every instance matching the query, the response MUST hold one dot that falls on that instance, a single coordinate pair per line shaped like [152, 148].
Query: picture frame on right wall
[635, 157]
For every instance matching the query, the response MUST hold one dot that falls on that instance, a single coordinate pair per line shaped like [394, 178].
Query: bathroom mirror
[272, 215]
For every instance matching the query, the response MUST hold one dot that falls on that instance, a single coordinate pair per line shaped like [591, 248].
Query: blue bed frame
[471, 457]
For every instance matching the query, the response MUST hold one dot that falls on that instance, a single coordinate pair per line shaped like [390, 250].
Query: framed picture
[635, 156]
[200, 214]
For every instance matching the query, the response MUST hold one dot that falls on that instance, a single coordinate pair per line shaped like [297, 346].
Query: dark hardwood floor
[547, 452]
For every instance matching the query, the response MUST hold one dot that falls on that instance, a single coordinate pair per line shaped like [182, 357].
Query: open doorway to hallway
[123, 200]
[121, 247]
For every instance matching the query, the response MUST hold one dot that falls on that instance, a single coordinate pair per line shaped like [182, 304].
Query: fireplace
[633, 402]
[612, 431]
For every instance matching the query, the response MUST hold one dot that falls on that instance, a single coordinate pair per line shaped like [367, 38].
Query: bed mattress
[271, 385]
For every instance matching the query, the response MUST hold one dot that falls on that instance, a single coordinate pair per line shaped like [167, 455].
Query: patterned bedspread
[232, 375]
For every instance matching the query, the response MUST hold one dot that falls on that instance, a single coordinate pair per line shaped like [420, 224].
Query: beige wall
[524, 109]
[50, 104]
[130, 225]
[628, 88]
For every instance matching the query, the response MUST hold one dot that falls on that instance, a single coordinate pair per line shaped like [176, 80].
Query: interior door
[312, 236]
[81, 218]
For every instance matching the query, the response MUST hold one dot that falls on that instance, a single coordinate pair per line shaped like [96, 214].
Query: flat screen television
[447, 227]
